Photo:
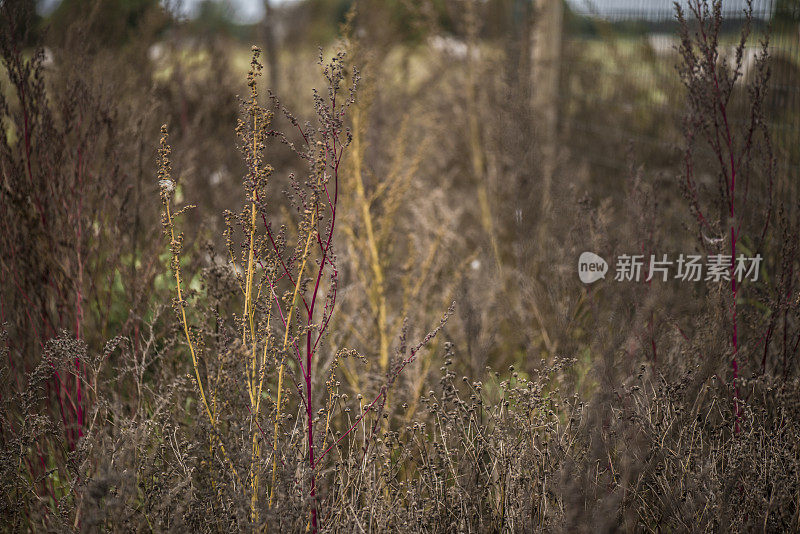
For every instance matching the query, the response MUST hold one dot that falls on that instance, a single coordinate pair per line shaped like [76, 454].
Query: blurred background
[629, 44]
[494, 123]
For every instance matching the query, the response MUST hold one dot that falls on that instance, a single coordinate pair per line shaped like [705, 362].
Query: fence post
[546, 63]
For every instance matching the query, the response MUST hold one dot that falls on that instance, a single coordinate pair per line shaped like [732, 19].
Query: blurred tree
[786, 18]
[578, 24]
[110, 22]
[324, 18]
[215, 17]
[547, 41]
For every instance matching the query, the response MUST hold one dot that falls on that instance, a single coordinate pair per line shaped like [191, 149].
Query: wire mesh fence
[620, 93]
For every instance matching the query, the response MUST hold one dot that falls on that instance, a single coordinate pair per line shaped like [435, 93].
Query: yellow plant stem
[378, 296]
[185, 325]
[248, 315]
[311, 233]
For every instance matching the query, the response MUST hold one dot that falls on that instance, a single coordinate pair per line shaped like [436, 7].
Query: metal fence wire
[620, 93]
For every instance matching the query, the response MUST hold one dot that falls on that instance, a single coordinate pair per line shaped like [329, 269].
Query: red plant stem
[309, 416]
[396, 373]
[294, 344]
[732, 213]
[27, 135]
[767, 337]
[734, 234]
[391, 379]
[354, 425]
[277, 252]
[283, 320]
[263, 435]
[79, 293]
[309, 349]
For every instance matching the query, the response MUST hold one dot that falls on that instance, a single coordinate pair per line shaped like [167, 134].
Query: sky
[245, 10]
[252, 10]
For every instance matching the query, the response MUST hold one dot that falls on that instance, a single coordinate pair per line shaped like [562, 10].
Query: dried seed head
[168, 186]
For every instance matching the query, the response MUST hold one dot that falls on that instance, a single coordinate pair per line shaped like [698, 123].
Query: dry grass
[289, 359]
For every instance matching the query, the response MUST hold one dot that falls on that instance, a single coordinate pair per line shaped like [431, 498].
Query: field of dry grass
[353, 304]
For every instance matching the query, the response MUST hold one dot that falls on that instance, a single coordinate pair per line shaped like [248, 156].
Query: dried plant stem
[248, 316]
[378, 294]
[185, 324]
